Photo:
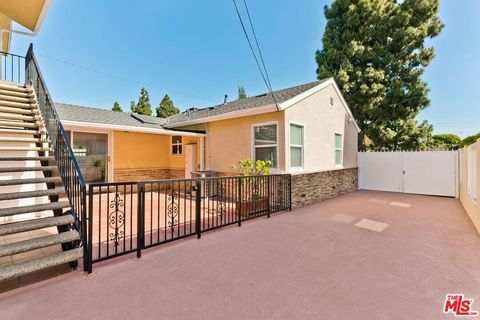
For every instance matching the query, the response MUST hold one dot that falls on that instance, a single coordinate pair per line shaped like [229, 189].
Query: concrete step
[11, 86]
[15, 139]
[6, 103]
[43, 149]
[37, 243]
[7, 96]
[50, 158]
[6, 212]
[21, 131]
[13, 182]
[20, 117]
[18, 111]
[32, 194]
[11, 93]
[14, 124]
[23, 268]
[25, 169]
[35, 224]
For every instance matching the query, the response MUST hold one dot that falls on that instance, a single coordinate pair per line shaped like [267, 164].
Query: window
[265, 144]
[177, 148]
[338, 149]
[296, 146]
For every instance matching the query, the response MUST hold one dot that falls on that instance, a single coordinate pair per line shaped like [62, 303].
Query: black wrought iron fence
[12, 67]
[126, 217]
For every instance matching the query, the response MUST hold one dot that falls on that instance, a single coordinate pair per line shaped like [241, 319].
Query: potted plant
[253, 198]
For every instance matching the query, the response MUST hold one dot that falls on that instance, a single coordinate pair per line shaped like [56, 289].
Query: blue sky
[93, 53]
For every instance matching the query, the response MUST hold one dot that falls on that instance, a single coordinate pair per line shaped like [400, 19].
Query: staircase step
[37, 243]
[51, 158]
[7, 96]
[23, 268]
[18, 110]
[21, 131]
[32, 194]
[25, 149]
[14, 87]
[13, 182]
[5, 212]
[16, 93]
[35, 224]
[25, 169]
[15, 139]
[6, 103]
[20, 117]
[18, 124]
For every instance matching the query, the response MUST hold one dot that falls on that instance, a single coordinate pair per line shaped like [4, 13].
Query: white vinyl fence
[422, 172]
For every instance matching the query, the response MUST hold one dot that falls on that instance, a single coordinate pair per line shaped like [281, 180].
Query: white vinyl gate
[422, 172]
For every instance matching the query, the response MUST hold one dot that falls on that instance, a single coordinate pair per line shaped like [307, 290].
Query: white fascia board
[228, 115]
[86, 125]
[290, 102]
[42, 15]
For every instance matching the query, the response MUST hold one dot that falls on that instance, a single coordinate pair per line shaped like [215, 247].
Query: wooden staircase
[32, 196]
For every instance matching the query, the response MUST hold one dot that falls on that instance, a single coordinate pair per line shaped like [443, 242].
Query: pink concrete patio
[364, 255]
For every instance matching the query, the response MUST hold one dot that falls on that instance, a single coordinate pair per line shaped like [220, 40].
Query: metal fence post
[90, 230]
[290, 192]
[198, 203]
[239, 210]
[140, 218]
[268, 195]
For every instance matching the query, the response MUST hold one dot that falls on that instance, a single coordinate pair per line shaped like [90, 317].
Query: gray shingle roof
[101, 116]
[241, 104]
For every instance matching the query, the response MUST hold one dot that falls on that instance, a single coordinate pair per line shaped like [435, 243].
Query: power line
[118, 77]
[264, 76]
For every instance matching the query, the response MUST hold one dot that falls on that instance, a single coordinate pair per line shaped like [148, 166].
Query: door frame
[193, 146]
[109, 133]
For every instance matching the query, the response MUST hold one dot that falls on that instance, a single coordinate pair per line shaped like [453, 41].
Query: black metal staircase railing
[67, 164]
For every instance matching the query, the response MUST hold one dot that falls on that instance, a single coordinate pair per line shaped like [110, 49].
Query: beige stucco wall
[472, 208]
[321, 121]
[145, 150]
[229, 141]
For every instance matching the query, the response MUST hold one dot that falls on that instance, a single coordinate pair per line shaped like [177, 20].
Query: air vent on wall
[331, 101]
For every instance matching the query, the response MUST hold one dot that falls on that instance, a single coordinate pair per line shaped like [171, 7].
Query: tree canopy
[166, 108]
[116, 107]
[446, 141]
[470, 139]
[143, 105]
[376, 52]
[242, 94]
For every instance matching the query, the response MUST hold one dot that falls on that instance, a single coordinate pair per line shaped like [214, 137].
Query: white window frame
[252, 139]
[335, 150]
[176, 144]
[302, 167]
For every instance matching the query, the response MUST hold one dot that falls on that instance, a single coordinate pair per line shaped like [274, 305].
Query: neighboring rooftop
[77, 113]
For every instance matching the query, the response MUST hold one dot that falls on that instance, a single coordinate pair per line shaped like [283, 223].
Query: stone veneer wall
[308, 188]
[147, 174]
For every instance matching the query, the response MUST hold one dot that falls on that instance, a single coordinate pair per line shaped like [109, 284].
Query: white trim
[171, 147]
[330, 81]
[289, 145]
[42, 15]
[252, 141]
[89, 125]
[337, 166]
[228, 115]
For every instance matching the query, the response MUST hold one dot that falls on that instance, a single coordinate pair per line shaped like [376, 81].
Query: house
[310, 129]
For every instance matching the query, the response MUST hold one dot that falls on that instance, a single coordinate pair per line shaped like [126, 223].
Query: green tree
[376, 52]
[446, 141]
[116, 107]
[143, 105]
[166, 108]
[469, 140]
[241, 92]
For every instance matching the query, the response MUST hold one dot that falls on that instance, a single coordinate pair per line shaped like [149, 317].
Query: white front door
[190, 159]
